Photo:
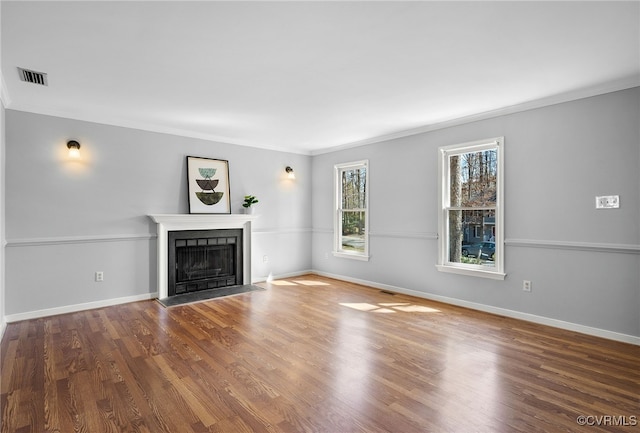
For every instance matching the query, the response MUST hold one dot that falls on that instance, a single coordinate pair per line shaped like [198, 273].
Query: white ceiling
[309, 76]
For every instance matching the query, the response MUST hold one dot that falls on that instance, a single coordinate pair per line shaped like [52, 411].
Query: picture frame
[208, 181]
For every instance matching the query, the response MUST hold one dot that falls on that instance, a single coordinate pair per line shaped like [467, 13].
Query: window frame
[338, 251]
[444, 182]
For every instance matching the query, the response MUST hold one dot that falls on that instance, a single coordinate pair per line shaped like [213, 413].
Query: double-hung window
[471, 209]
[351, 224]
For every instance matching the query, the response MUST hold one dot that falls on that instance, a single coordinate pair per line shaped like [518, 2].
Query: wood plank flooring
[311, 354]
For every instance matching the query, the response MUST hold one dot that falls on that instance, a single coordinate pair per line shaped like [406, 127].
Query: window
[351, 227]
[471, 209]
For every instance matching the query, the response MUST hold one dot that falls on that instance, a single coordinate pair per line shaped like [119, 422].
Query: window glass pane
[353, 230]
[473, 179]
[472, 237]
[353, 188]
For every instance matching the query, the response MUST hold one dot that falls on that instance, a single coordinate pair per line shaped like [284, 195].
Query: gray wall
[2, 219]
[2, 201]
[64, 220]
[584, 263]
[67, 219]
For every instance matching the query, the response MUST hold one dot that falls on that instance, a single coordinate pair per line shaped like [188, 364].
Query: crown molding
[4, 92]
[586, 92]
[143, 126]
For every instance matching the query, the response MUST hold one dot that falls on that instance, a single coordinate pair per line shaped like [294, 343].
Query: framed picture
[208, 181]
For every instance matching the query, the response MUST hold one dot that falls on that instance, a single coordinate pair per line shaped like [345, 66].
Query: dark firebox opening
[204, 259]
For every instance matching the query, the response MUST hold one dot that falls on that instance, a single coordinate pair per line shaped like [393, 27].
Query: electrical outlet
[265, 259]
[608, 202]
[99, 276]
[526, 285]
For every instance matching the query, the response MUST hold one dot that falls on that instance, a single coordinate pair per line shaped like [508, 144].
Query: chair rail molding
[570, 245]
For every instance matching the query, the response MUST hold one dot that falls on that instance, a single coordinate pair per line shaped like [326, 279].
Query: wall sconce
[290, 173]
[74, 149]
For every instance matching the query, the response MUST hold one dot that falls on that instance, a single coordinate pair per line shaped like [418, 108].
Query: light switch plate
[608, 202]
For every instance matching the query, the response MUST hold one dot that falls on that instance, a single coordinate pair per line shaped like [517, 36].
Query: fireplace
[181, 226]
[203, 260]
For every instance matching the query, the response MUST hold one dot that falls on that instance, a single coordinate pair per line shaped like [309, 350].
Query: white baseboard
[603, 333]
[78, 307]
[10, 318]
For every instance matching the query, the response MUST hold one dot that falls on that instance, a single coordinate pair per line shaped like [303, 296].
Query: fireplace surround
[167, 223]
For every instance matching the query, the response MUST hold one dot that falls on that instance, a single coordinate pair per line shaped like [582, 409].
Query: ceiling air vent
[33, 76]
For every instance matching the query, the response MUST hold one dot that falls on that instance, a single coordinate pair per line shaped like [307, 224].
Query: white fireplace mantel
[176, 222]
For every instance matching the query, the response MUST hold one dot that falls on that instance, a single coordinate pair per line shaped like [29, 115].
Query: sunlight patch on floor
[298, 282]
[283, 283]
[311, 283]
[383, 311]
[362, 306]
[389, 307]
[416, 309]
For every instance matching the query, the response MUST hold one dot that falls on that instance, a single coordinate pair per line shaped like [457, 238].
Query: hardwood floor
[311, 354]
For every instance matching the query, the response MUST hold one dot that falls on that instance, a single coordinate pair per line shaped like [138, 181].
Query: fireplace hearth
[204, 260]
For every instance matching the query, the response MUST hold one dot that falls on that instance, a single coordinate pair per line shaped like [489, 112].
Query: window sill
[352, 256]
[494, 275]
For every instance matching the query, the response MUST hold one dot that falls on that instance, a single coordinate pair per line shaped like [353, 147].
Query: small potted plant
[249, 200]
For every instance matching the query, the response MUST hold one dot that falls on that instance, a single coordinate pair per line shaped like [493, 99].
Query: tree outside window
[351, 226]
[471, 208]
